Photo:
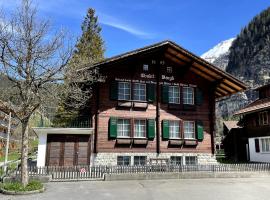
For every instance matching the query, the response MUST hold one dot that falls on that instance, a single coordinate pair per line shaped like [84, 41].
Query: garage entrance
[68, 150]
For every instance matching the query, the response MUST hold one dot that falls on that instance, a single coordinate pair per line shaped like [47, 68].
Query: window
[263, 118]
[174, 129]
[169, 69]
[139, 128]
[145, 67]
[176, 160]
[123, 128]
[189, 130]
[123, 91]
[265, 144]
[123, 160]
[191, 160]
[188, 95]
[139, 92]
[139, 160]
[174, 94]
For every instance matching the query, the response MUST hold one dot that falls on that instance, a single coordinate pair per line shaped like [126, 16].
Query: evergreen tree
[88, 50]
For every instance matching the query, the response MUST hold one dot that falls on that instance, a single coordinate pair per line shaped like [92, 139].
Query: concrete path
[195, 189]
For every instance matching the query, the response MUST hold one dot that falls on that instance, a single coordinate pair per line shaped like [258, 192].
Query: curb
[8, 192]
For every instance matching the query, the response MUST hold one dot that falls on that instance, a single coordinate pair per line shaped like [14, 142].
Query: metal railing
[97, 172]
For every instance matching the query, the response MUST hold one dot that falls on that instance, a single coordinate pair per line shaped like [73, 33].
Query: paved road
[192, 189]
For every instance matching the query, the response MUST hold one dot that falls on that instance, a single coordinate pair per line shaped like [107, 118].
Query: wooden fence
[59, 173]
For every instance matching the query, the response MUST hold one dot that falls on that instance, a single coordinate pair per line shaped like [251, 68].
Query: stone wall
[111, 158]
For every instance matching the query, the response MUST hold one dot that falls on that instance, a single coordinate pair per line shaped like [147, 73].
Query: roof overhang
[225, 84]
[75, 131]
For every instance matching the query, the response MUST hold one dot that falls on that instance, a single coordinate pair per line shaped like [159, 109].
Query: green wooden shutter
[199, 96]
[165, 129]
[113, 127]
[200, 135]
[114, 90]
[165, 93]
[151, 129]
[151, 92]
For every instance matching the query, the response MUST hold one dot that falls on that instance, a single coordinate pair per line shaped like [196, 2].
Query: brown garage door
[68, 150]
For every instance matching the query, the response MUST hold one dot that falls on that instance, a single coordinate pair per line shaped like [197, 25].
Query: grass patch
[18, 187]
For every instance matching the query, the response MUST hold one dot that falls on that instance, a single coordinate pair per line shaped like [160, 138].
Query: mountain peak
[217, 51]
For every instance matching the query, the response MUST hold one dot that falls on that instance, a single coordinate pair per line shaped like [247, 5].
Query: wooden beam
[202, 74]
[180, 55]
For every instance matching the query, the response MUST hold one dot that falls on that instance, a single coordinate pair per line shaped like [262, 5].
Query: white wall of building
[42, 145]
[257, 156]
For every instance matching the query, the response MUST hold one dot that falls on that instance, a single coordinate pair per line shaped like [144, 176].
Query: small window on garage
[139, 160]
[191, 160]
[123, 160]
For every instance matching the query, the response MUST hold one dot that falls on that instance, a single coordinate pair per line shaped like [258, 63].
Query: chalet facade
[155, 105]
[256, 126]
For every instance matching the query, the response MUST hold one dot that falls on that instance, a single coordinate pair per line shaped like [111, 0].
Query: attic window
[169, 70]
[145, 67]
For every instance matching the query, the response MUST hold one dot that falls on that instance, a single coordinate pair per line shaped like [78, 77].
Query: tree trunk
[24, 154]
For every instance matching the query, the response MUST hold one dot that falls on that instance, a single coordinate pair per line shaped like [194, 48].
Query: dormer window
[169, 70]
[145, 67]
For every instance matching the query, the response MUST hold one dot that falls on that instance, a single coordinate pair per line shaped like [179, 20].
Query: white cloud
[116, 23]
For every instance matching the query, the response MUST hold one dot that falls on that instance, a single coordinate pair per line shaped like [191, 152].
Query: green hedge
[18, 187]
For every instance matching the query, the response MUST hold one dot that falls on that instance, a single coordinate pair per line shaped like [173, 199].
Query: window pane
[139, 160]
[139, 92]
[123, 160]
[189, 130]
[174, 94]
[124, 91]
[174, 129]
[188, 95]
[123, 127]
[139, 128]
[191, 160]
[176, 160]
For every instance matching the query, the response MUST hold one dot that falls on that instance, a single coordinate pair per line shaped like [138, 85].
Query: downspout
[96, 118]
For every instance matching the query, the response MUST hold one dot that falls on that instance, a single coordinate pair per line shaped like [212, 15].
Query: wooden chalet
[256, 126]
[157, 104]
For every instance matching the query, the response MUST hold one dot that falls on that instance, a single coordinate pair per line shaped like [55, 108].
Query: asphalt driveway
[192, 189]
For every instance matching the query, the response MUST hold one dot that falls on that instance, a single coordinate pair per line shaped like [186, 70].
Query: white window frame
[124, 94]
[187, 160]
[123, 160]
[140, 159]
[173, 129]
[263, 118]
[169, 70]
[265, 145]
[174, 160]
[143, 88]
[142, 128]
[187, 130]
[123, 129]
[173, 98]
[186, 99]
[145, 67]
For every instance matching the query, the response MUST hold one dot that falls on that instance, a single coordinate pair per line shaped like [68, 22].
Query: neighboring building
[255, 120]
[157, 104]
[234, 141]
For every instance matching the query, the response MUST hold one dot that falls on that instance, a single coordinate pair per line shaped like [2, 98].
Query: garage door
[68, 150]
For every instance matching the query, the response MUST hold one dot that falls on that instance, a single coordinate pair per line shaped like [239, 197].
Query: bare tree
[32, 58]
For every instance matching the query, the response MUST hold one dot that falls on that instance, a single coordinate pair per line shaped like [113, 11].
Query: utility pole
[7, 145]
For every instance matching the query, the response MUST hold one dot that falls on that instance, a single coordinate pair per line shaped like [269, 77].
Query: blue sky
[129, 24]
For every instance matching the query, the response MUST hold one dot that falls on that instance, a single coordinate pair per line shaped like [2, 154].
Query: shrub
[18, 187]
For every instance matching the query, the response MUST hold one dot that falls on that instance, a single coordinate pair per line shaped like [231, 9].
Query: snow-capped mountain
[219, 54]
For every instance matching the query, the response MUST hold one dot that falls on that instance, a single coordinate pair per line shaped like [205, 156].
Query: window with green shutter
[200, 134]
[151, 131]
[113, 127]
[114, 90]
[151, 92]
[165, 129]
[165, 94]
[199, 96]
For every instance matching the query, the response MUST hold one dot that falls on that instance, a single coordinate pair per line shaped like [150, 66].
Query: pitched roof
[258, 105]
[226, 84]
[231, 124]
